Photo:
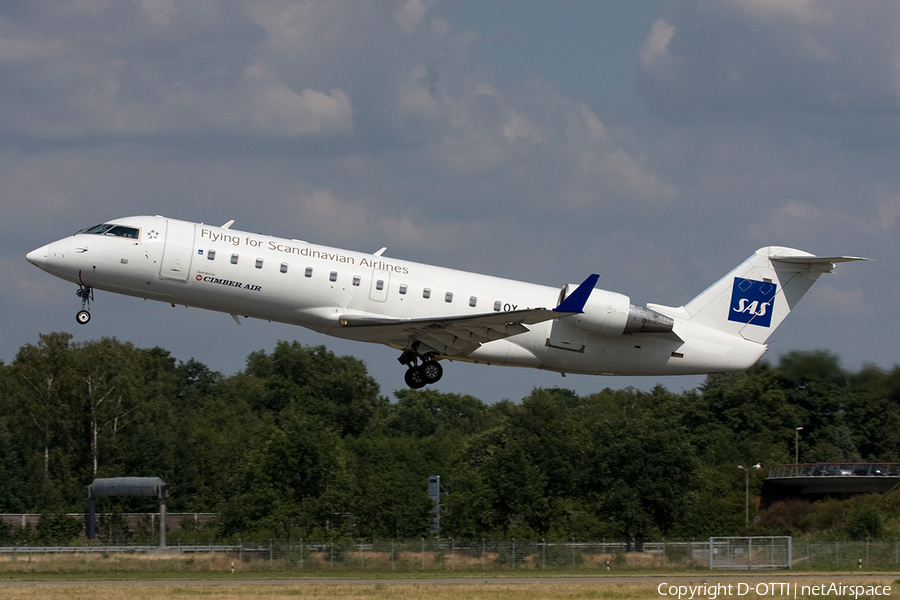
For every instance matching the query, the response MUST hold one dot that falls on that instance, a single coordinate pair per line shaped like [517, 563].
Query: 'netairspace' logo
[712, 591]
[752, 301]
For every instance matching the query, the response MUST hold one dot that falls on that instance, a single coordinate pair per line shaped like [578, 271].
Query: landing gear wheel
[432, 371]
[86, 293]
[415, 377]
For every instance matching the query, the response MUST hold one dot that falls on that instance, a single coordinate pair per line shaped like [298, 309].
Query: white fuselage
[299, 283]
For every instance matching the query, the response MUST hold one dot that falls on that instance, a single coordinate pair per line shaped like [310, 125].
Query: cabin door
[178, 251]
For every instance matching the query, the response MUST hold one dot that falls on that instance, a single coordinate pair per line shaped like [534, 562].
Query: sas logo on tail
[752, 301]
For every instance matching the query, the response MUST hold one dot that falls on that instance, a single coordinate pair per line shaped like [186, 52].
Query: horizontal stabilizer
[813, 261]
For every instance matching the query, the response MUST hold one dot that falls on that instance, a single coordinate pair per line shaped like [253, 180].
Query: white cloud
[415, 96]
[888, 206]
[410, 14]
[296, 27]
[823, 65]
[655, 47]
[827, 298]
[279, 110]
[636, 180]
[16, 50]
[518, 128]
[159, 12]
[802, 11]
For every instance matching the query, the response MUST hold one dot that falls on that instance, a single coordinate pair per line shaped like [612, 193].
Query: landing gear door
[178, 251]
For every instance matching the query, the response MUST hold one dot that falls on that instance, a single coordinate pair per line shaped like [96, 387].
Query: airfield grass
[317, 563]
[157, 577]
[490, 590]
[349, 591]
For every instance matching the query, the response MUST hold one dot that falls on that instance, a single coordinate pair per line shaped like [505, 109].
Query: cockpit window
[99, 229]
[113, 230]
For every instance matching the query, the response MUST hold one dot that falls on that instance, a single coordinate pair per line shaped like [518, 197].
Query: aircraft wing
[461, 335]
[453, 336]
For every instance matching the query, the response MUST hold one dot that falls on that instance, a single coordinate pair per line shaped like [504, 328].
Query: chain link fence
[750, 552]
[430, 555]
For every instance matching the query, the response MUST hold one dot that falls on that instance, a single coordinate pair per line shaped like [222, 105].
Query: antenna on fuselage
[228, 224]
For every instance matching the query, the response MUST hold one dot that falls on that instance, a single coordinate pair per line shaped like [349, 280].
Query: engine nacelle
[610, 313]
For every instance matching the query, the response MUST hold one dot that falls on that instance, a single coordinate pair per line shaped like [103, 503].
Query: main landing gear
[418, 376]
[86, 293]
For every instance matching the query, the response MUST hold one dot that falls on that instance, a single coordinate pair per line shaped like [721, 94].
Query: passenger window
[308, 272]
[448, 297]
[379, 285]
[333, 276]
[284, 267]
[497, 306]
[426, 293]
[403, 288]
[356, 280]
[259, 263]
[210, 255]
[472, 301]
[234, 259]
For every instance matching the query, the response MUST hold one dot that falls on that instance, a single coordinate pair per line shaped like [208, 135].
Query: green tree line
[302, 444]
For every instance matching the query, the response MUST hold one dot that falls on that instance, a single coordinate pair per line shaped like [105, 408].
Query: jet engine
[609, 313]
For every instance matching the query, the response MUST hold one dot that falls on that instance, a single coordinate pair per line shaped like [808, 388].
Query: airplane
[432, 313]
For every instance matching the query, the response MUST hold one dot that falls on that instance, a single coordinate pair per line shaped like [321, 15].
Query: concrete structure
[824, 480]
[127, 486]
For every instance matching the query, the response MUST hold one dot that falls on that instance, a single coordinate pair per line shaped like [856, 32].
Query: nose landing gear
[86, 293]
[418, 376]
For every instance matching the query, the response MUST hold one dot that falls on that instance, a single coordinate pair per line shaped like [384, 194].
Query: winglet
[574, 302]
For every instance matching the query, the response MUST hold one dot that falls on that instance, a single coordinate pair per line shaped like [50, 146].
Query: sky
[656, 143]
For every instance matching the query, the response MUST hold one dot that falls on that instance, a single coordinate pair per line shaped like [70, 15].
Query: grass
[411, 591]
[491, 590]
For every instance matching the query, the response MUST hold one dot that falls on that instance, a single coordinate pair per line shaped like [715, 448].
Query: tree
[107, 371]
[297, 478]
[640, 469]
[423, 413]
[338, 389]
[815, 383]
[504, 488]
[873, 412]
[46, 370]
[390, 486]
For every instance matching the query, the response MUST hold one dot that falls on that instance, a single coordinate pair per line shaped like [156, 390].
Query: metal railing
[835, 470]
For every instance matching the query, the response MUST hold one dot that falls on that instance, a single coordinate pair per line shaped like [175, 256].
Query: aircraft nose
[38, 257]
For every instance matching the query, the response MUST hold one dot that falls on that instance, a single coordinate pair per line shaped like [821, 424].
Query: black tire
[432, 371]
[415, 378]
[83, 317]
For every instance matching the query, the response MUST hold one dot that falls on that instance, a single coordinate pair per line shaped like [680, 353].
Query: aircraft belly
[650, 354]
[503, 352]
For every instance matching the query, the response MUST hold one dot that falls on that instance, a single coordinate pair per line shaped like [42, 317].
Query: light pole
[797, 445]
[746, 495]
[747, 492]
